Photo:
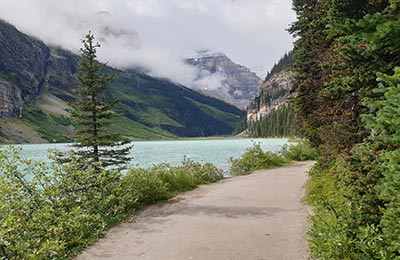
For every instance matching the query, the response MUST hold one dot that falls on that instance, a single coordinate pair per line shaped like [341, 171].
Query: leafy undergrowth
[255, 158]
[54, 211]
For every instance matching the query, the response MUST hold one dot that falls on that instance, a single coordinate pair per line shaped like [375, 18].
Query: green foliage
[389, 193]
[328, 233]
[302, 151]
[49, 127]
[91, 114]
[62, 120]
[41, 217]
[186, 177]
[278, 123]
[145, 186]
[129, 128]
[355, 202]
[286, 62]
[241, 124]
[354, 119]
[217, 114]
[254, 159]
[52, 211]
[385, 125]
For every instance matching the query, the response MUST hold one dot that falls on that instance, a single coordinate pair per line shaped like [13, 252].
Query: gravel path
[254, 217]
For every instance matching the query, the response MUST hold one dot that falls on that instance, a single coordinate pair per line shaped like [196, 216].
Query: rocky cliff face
[274, 93]
[60, 79]
[23, 69]
[10, 100]
[220, 77]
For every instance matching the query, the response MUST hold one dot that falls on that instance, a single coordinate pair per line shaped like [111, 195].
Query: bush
[176, 179]
[143, 187]
[255, 158]
[302, 151]
[40, 216]
[352, 218]
[329, 221]
[53, 211]
[188, 176]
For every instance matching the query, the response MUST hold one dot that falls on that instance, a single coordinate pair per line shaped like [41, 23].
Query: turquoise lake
[147, 153]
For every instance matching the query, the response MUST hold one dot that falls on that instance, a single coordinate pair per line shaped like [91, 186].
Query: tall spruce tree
[92, 115]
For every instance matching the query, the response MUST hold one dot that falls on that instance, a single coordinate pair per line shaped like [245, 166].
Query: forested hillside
[269, 114]
[37, 83]
[286, 62]
[278, 123]
[348, 99]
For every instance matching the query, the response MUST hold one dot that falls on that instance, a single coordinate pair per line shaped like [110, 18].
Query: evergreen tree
[310, 51]
[286, 62]
[91, 114]
[344, 45]
[278, 123]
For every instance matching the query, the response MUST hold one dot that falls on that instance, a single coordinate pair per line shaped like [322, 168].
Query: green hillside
[42, 77]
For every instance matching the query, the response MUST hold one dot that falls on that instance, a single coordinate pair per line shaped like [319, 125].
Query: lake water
[147, 153]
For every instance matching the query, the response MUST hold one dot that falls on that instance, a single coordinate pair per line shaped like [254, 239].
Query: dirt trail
[254, 217]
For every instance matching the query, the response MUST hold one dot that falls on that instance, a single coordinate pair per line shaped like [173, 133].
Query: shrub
[40, 219]
[302, 151]
[144, 187]
[188, 176]
[328, 232]
[255, 158]
[176, 179]
[51, 211]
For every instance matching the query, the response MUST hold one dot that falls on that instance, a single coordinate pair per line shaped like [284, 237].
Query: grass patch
[49, 127]
[130, 128]
[328, 234]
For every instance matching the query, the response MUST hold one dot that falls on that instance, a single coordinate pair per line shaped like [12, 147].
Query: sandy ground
[254, 217]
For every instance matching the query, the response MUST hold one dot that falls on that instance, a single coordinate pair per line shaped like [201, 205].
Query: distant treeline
[278, 123]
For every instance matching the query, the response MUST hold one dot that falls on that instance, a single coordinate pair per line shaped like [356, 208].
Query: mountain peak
[218, 76]
[201, 54]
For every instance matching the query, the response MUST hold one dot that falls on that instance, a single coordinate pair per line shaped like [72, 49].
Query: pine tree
[91, 114]
[353, 117]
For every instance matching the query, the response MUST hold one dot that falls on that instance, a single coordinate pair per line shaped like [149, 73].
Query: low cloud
[158, 35]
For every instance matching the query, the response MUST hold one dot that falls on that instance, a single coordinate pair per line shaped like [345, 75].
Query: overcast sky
[158, 34]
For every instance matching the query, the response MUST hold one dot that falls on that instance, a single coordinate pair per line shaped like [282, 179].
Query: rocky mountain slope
[36, 84]
[274, 91]
[23, 64]
[225, 80]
